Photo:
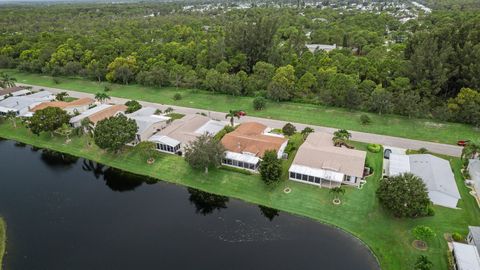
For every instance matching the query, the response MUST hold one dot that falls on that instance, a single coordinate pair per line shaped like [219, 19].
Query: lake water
[69, 213]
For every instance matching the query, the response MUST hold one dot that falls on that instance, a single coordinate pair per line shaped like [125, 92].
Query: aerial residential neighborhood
[334, 135]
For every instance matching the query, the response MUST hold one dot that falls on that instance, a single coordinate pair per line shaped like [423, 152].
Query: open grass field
[3, 239]
[360, 213]
[398, 126]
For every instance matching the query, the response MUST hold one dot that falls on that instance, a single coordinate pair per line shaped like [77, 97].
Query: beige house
[98, 113]
[319, 162]
[181, 132]
[148, 123]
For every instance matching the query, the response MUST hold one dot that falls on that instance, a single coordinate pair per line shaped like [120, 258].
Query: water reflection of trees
[116, 180]
[57, 159]
[205, 203]
[268, 212]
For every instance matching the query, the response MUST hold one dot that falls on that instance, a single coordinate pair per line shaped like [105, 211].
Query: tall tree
[270, 167]
[114, 132]
[282, 85]
[204, 152]
[48, 120]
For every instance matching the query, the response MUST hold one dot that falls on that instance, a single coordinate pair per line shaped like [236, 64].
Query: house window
[240, 164]
[298, 176]
[234, 163]
[317, 180]
[292, 175]
[310, 178]
[304, 177]
[252, 166]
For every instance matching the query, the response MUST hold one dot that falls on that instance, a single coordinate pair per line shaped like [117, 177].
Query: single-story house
[473, 237]
[321, 47]
[474, 171]
[21, 105]
[77, 106]
[247, 144]
[435, 172]
[465, 257]
[98, 113]
[15, 91]
[148, 123]
[181, 132]
[319, 162]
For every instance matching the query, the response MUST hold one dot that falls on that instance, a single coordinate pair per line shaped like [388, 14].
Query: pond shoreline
[3, 240]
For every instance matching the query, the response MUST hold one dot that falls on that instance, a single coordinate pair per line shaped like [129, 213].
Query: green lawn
[421, 129]
[360, 214]
[3, 239]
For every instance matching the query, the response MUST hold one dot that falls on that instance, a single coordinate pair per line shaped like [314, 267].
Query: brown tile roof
[318, 152]
[249, 137]
[9, 90]
[63, 104]
[108, 112]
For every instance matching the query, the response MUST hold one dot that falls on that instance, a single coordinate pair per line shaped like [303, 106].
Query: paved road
[446, 149]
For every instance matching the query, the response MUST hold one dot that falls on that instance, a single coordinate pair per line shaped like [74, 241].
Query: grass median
[360, 213]
[3, 239]
[392, 125]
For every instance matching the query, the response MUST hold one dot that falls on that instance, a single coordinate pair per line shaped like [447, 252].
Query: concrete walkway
[445, 149]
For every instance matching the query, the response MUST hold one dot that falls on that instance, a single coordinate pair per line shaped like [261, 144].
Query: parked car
[386, 153]
[462, 142]
[241, 113]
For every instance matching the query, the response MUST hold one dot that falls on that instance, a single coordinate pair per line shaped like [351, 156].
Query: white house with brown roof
[173, 138]
[319, 162]
[98, 113]
[76, 106]
[247, 144]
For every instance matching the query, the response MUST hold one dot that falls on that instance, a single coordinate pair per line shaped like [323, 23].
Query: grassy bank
[420, 129]
[3, 239]
[360, 214]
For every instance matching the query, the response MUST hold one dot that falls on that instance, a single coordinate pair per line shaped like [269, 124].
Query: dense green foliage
[289, 129]
[423, 233]
[270, 167]
[48, 120]
[205, 152]
[411, 69]
[404, 195]
[133, 106]
[423, 263]
[114, 132]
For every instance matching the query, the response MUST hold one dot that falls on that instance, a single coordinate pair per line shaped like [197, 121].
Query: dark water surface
[69, 213]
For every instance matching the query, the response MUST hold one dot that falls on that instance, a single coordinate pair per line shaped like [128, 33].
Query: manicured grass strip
[360, 213]
[3, 239]
[392, 125]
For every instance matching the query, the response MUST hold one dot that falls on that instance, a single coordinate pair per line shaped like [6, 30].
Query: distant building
[465, 257]
[319, 162]
[321, 47]
[77, 106]
[181, 132]
[435, 172]
[247, 144]
[148, 123]
[21, 105]
[98, 113]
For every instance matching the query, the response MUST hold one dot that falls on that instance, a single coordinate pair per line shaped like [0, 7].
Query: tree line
[422, 68]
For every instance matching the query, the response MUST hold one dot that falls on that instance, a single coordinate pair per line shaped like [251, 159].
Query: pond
[64, 212]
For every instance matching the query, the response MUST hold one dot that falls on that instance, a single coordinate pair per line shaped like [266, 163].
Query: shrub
[423, 233]
[365, 119]
[223, 132]
[430, 211]
[107, 88]
[289, 129]
[423, 150]
[423, 263]
[259, 103]
[177, 96]
[270, 167]
[133, 106]
[457, 237]
[374, 148]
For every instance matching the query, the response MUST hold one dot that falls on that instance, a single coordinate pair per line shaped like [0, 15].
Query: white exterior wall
[282, 149]
[442, 199]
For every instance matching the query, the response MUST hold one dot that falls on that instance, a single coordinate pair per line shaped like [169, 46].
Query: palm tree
[12, 116]
[6, 80]
[232, 114]
[471, 150]
[341, 137]
[337, 191]
[87, 128]
[65, 130]
[101, 96]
